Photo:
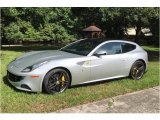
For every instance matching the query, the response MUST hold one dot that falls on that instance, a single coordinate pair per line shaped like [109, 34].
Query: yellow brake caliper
[63, 80]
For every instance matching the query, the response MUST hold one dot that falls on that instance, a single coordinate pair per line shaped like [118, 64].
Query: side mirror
[99, 53]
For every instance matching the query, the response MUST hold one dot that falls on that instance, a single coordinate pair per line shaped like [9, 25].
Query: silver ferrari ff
[83, 61]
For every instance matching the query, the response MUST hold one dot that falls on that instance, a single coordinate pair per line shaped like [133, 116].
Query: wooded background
[66, 24]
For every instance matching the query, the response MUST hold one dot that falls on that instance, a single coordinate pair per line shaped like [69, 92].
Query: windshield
[83, 47]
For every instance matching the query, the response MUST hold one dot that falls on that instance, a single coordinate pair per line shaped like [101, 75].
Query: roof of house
[92, 28]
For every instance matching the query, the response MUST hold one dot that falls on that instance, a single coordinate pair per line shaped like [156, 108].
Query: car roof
[102, 40]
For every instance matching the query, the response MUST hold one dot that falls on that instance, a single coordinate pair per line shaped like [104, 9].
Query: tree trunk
[138, 33]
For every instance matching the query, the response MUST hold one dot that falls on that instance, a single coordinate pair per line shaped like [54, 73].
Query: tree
[37, 23]
[138, 18]
[112, 22]
[12, 32]
[55, 32]
[85, 17]
[62, 24]
[154, 26]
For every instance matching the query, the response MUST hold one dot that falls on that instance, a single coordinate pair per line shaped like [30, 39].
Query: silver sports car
[80, 62]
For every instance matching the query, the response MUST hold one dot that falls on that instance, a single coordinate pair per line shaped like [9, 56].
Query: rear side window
[126, 47]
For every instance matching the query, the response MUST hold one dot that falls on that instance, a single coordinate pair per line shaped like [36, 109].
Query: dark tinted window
[126, 47]
[111, 48]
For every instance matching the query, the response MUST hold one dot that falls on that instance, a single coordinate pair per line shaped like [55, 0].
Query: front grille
[13, 77]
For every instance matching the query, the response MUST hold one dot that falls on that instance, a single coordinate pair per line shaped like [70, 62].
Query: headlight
[30, 68]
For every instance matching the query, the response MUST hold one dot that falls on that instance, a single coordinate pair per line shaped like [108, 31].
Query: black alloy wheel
[137, 70]
[56, 81]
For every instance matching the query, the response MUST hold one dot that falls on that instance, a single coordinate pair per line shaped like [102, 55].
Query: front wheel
[137, 70]
[56, 81]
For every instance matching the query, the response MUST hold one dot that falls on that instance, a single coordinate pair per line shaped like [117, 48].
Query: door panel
[107, 66]
[81, 71]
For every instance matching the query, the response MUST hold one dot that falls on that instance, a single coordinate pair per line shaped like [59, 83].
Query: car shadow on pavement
[6, 82]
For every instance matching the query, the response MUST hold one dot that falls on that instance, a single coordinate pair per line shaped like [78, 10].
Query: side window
[126, 47]
[111, 48]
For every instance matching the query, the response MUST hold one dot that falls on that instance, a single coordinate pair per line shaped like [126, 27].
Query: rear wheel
[137, 70]
[56, 81]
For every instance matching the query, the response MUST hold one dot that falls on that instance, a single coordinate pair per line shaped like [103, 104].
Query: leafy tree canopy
[62, 24]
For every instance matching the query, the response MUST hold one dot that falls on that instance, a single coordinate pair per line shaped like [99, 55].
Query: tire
[56, 81]
[137, 70]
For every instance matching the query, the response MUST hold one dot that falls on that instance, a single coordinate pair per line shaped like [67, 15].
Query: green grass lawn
[151, 48]
[13, 101]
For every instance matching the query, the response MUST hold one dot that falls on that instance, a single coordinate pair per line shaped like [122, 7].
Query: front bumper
[24, 81]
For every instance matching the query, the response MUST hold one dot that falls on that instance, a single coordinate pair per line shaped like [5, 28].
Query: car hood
[36, 57]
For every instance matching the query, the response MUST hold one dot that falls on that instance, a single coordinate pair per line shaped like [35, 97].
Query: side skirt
[102, 79]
